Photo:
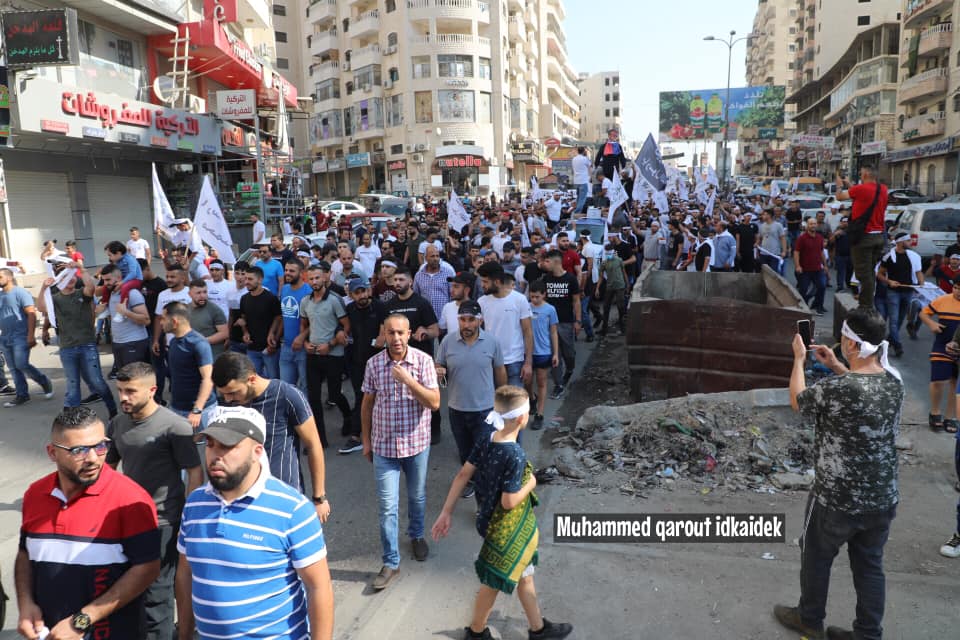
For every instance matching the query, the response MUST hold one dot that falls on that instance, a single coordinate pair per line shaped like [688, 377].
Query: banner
[651, 165]
[162, 212]
[457, 216]
[699, 115]
[617, 195]
[210, 224]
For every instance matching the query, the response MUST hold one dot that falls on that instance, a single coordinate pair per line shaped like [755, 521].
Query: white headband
[496, 420]
[867, 349]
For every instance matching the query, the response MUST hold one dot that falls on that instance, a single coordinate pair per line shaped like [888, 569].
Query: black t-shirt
[626, 251]
[531, 272]
[748, 237]
[364, 329]
[703, 256]
[420, 313]
[841, 244]
[899, 268]
[794, 219]
[259, 313]
[560, 292]
[151, 289]
[676, 242]
[283, 255]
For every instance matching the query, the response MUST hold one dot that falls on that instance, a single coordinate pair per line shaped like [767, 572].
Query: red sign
[159, 141]
[220, 10]
[397, 165]
[87, 106]
[454, 162]
[54, 126]
[551, 142]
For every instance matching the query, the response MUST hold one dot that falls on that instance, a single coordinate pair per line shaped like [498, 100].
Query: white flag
[712, 177]
[660, 199]
[640, 185]
[795, 184]
[774, 189]
[617, 195]
[684, 190]
[710, 203]
[524, 236]
[535, 193]
[210, 225]
[457, 216]
[162, 212]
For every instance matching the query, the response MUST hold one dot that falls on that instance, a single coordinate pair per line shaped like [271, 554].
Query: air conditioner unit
[422, 147]
[378, 146]
[388, 84]
[269, 124]
[366, 88]
[408, 148]
[346, 65]
[390, 50]
[197, 105]
[417, 158]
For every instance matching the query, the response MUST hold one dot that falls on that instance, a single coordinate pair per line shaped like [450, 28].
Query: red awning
[228, 60]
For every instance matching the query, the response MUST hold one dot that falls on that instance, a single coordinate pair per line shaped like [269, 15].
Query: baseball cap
[324, 265]
[230, 425]
[463, 277]
[355, 284]
[470, 308]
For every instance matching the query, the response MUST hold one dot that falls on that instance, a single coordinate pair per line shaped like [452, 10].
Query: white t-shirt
[233, 298]
[595, 251]
[497, 243]
[259, 231]
[501, 318]
[606, 185]
[138, 248]
[367, 257]
[449, 317]
[553, 207]
[581, 169]
[169, 295]
[423, 246]
[219, 292]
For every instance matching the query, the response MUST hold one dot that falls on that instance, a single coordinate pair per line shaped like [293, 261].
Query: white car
[342, 207]
[932, 226]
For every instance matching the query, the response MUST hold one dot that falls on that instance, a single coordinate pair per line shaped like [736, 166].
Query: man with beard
[290, 424]
[461, 289]
[207, 319]
[156, 446]
[433, 280]
[261, 318]
[116, 520]
[507, 317]
[253, 562]
[130, 340]
[293, 359]
[366, 314]
[176, 291]
[191, 363]
[400, 391]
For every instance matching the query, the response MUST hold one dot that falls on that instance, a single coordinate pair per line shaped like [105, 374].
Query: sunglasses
[81, 451]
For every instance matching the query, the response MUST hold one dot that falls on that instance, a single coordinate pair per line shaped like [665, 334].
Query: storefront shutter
[116, 204]
[39, 205]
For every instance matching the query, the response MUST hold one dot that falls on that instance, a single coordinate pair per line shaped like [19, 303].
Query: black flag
[650, 164]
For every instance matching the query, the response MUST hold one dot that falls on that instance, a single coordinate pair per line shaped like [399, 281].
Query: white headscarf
[867, 349]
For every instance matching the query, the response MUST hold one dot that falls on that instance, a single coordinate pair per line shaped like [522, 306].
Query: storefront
[468, 174]
[929, 168]
[397, 172]
[358, 174]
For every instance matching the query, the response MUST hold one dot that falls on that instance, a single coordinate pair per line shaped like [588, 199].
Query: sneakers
[790, 618]
[912, 329]
[93, 398]
[48, 390]
[952, 548]
[468, 634]
[537, 423]
[836, 633]
[7, 390]
[350, 446]
[384, 578]
[557, 392]
[420, 549]
[897, 350]
[551, 630]
[468, 491]
[16, 402]
[112, 375]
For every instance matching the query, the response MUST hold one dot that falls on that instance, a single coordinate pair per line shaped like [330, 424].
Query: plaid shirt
[434, 286]
[401, 425]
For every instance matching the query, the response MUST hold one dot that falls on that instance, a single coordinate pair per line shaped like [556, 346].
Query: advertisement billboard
[698, 115]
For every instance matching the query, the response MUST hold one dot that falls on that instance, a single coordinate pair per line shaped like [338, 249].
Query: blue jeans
[83, 361]
[865, 535]
[266, 365]
[815, 279]
[469, 428]
[844, 271]
[514, 374]
[583, 190]
[898, 305]
[293, 366]
[387, 472]
[587, 324]
[17, 354]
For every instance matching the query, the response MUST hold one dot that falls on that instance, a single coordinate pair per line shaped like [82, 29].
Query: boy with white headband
[504, 486]
[855, 494]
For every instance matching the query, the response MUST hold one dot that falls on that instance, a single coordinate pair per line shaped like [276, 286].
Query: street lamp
[726, 105]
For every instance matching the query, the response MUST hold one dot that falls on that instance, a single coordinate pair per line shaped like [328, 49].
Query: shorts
[941, 370]
[543, 362]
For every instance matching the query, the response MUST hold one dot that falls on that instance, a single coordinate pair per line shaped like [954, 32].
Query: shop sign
[318, 166]
[397, 165]
[767, 134]
[185, 145]
[43, 105]
[529, 152]
[800, 155]
[379, 157]
[873, 148]
[777, 154]
[454, 162]
[244, 54]
[923, 151]
[552, 142]
[457, 83]
[358, 160]
[806, 140]
[221, 10]
[209, 148]
[335, 165]
[41, 38]
[237, 105]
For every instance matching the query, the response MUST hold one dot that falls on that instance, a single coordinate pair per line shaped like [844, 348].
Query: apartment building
[600, 105]
[431, 95]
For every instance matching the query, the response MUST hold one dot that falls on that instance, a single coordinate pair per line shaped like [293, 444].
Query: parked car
[338, 208]
[954, 198]
[932, 226]
[909, 195]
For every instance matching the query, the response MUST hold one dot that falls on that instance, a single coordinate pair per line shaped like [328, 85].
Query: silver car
[932, 226]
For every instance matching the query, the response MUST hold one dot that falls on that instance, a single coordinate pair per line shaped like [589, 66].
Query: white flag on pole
[617, 195]
[210, 226]
[457, 216]
[795, 184]
[535, 193]
[660, 199]
[712, 177]
[524, 235]
[710, 203]
[774, 189]
[162, 212]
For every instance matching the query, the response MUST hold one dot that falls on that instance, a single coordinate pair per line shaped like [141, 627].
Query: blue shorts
[543, 362]
[941, 370]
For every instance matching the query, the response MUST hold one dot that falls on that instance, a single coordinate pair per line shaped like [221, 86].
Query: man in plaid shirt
[399, 391]
[433, 280]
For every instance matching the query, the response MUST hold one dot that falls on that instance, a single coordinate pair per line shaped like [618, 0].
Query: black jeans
[356, 380]
[158, 598]
[825, 531]
[320, 369]
[468, 428]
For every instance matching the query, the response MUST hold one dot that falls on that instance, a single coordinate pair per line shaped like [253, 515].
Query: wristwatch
[319, 499]
[196, 411]
[80, 622]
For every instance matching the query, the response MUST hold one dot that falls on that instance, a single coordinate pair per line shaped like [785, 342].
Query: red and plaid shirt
[401, 425]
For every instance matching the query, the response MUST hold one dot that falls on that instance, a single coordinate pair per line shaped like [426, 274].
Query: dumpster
[710, 332]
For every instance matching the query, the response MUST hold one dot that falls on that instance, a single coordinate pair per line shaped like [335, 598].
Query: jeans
[792, 236]
[898, 305]
[160, 367]
[585, 311]
[844, 270]
[83, 361]
[614, 297]
[469, 428]
[293, 366]
[17, 354]
[865, 535]
[158, 598]
[865, 257]
[3, 376]
[583, 190]
[387, 473]
[514, 374]
[356, 380]
[818, 281]
[266, 364]
[320, 369]
[566, 340]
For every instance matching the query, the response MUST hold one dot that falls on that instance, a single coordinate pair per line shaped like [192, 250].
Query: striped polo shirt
[947, 310]
[244, 557]
[79, 548]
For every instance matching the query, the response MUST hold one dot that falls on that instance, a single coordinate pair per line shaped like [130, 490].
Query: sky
[657, 46]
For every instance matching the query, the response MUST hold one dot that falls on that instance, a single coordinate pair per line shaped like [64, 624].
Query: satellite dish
[165, 91]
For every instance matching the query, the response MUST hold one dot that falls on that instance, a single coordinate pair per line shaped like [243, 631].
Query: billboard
[698, 115]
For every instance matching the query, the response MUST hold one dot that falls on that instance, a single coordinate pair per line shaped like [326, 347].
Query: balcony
[457, 9]
[928, 83]
[364, 56]
[365, 24]
[929, 124]
[917, 11]
[324, 42]
[451, 43]
[936, 39]
[325, 70]
[323, 10]
[327, 104]
[518, 29]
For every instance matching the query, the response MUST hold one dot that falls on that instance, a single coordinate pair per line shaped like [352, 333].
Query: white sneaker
[952, 548]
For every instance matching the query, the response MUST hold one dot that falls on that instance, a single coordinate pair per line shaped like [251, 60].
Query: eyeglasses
[81, 451]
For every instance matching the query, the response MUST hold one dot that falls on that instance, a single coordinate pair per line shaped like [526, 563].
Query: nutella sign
[220, 10]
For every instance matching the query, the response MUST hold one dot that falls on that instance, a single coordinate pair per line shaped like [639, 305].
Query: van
[932, 226]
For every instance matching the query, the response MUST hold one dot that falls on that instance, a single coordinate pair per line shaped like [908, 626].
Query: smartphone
[805, 331]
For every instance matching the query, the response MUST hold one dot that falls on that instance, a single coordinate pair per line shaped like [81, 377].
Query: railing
[451, 39]
[939, 72]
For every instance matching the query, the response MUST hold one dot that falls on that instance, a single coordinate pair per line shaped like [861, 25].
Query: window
[368, 114]
[606, 97]
[793, 30]
[281, 36]
[608, 112]
[393, 74]
[367, 76]
[283, 63]
[616, 112]
[484, 108]
[514, 113]
[606, 82]
[792, 48]
[863, 21]
[326, 125]
[531, 118]
[394, 108]
[423, 106]
[616, 96]
[421, 66]
[455, 106]
[346, 25]
[327, 89]
[956, 105]
[392, 39]
[391, 6]
[279, 10]
[455, 66]
[396, 149]
[616, 81]
[469, 142]
[349, 88]
[354, 148]
[485, 69]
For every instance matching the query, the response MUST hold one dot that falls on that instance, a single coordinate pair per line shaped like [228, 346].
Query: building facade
[433, 95]
[600, 105]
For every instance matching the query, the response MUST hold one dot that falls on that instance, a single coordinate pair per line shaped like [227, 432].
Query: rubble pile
[687, 442]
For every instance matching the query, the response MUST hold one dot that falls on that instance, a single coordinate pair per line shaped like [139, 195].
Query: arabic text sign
[699, 115]
[237, 105]
[41, 38]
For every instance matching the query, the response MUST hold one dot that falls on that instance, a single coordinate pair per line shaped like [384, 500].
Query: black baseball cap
[470, 308]
[463, 277]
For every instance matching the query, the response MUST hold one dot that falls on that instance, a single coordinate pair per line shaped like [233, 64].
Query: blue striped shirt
[244, 558]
